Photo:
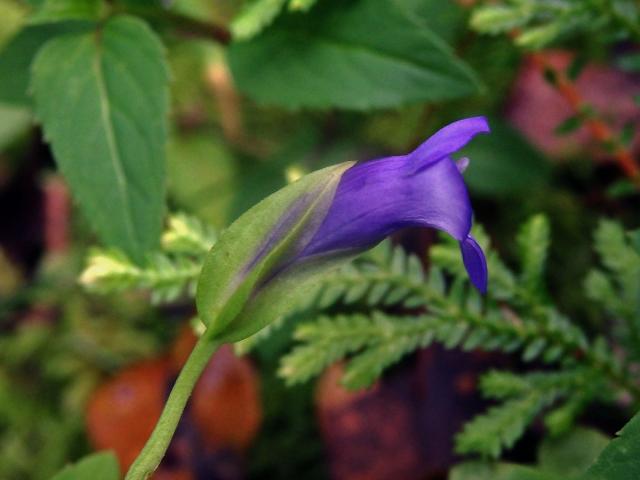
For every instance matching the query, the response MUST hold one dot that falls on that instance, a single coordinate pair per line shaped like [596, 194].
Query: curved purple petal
[475, 263]
[375, 199]
[449, 140]
[423, 189]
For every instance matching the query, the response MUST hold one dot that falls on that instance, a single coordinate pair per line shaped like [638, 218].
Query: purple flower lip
[424, 188]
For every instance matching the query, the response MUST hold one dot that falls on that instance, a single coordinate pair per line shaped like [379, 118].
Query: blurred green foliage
[343, 80]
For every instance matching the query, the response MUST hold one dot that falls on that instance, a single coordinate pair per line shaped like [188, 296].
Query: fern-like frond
[525, 396]
[167, 278]
[533, 245]
[616, 287]
[167, 274]
[187, 235]
[385, 276]
[502, 425]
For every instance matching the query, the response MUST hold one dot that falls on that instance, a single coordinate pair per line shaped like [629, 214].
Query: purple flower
[422, 189]
[273, 255]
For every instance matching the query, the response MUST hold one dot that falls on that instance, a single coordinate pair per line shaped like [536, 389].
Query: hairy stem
[158, 442]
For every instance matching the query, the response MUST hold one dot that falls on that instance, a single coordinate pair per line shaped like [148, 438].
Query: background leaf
[332, 60]
[620, 460]
[99, 466]
[102, 99]
[13, 121]
[16, 58]
[504, 163]
[573, 452]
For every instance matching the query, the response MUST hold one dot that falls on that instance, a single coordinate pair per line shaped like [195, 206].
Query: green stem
[158, 442]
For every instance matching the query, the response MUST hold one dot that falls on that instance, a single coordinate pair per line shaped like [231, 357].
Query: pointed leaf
[99, 466]
[102, 99]
[359, 54]
[620, 460]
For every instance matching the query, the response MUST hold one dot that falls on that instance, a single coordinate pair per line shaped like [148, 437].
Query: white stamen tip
[462, 164]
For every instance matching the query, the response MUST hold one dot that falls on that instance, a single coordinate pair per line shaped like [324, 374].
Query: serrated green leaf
[359, 54]
[102, 100]
[98, 466]
[228, 299]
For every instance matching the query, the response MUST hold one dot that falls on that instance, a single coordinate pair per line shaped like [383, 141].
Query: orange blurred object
[369, 434]
[122, 412]
[224, 412]
[226, 401]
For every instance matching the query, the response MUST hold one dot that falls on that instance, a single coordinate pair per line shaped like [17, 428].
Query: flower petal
[375, 199]
[475, 263]
[449, 140]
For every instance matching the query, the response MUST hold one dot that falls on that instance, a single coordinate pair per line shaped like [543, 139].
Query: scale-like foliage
[539, 23]
[167, 274]
[383, 306]
[616, 287]
[533, 243]
[523, 398]
[397, 308]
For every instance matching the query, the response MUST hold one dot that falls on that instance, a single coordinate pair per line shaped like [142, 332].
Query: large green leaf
[102, 99]
[99, 466]
[243, 286]
[620, 460]
[355, 54]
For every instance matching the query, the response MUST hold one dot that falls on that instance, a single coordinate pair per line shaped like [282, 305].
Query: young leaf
[99, 466]
[102, 100]
[333, 58]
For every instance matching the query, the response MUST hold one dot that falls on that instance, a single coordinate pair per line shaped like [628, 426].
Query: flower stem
[158, 442]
